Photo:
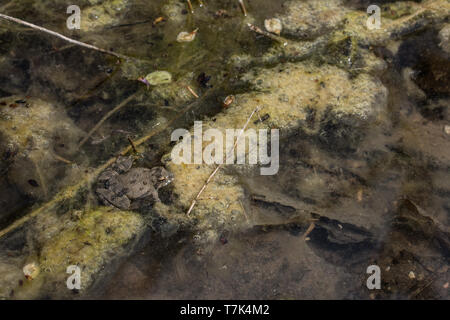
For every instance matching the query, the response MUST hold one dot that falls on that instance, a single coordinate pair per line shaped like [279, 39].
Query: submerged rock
[328, 90]
[91, 243]
[310, 19]
[323, 101]
[10, 275]
[173, 10]
[36, 138]
[324, 28]
[102, 13]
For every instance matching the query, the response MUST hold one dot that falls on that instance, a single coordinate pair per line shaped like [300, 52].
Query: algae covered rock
[323, 101]
[10, 274]
[324, 28]
[36, 138]
[102, 13]
[310, 19]
[174, 11]
[398, 20]
[320, 90]
[91, 243]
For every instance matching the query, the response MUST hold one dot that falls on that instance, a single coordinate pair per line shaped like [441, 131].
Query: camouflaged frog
[126, 188]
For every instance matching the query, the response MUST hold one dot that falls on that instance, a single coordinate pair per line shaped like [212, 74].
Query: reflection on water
[349, 193]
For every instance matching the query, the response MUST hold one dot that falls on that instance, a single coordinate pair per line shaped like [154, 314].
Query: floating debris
[158, 20]
[411, 275]
[144, 81]
[221, 13]
[228, 101]
[309, 230]
[191, 9]
[203, 80]
[244, 10]
[95, 141]
[31, 271]
[192, 92]
[273, 25]
[267, 34]
[447, 129]
[262, 119]
[359, 195]
[156, 78]
[186, 36]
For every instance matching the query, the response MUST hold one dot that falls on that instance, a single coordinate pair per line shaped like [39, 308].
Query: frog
[126, 188]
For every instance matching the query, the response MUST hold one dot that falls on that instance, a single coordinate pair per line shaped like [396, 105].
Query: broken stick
[56, 34]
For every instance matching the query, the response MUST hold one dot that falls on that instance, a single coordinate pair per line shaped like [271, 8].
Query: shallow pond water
[355, 187]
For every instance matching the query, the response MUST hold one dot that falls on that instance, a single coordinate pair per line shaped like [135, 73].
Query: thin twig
[309, 230]
[41, 179]
[211, 176]
[123, 103]
[191, 9]
[192, 92]
[56, 34]
[243, 210]
[132, 145]
[244, 10]
[415, 293]
[57, 157]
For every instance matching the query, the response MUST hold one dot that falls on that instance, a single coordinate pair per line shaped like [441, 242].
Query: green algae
[90, 243]
[102, 13]
[397, 10]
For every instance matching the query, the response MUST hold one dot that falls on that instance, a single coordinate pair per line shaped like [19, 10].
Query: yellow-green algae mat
[222, 205]
[89, 240]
